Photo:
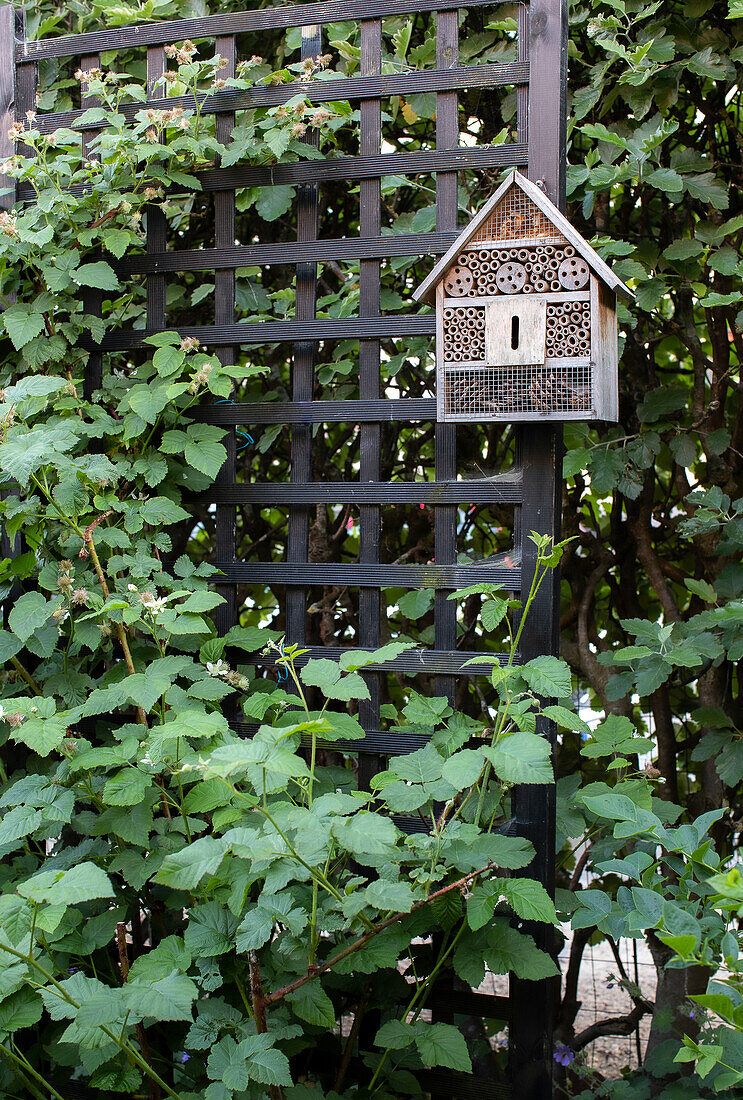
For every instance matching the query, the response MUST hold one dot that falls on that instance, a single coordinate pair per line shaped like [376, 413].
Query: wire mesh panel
[515, 216]
[299, 523]
[528, 391]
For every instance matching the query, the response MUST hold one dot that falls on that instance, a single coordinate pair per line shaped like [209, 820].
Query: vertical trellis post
[92, 298]
[540, 458]
[224, 314]
[7, 98]
[303, 377]
[7, 183]
[447, 137]
[370, 225]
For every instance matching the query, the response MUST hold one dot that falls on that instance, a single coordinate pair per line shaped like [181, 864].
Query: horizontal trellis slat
[374, 576]
[466, 1003]
[319, 91]
[411, 662]
[274, 332]
[384, 742]
[504, 488]
[462, 1086]
[319, 412]
[242, 22]
[510, 155]
[346, 248]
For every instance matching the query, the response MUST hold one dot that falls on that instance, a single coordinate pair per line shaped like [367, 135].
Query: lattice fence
[385, 413]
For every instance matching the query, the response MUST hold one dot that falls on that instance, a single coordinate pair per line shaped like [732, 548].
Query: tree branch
[280, 994]
[615, 1025]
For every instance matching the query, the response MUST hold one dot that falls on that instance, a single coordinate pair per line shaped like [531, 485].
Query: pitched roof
[426, 291]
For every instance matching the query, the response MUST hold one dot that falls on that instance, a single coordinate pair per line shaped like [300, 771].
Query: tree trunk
[671, 1019]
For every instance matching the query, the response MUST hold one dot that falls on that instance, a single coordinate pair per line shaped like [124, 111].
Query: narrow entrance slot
[514, 333]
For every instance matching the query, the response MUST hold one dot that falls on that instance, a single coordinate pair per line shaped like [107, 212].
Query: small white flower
[217, 668]
[131, 588]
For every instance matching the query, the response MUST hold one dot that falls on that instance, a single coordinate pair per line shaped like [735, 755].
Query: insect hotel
[526, 323]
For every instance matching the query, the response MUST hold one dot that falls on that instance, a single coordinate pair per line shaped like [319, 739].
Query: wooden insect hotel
[526, 323]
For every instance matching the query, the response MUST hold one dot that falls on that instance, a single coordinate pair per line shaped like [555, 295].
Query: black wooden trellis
[532, 486]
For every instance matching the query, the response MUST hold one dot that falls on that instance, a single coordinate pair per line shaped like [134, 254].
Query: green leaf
[83, 882]
[22, 324]
[527, 897]
[161, 509]
[395, 1035]
[481, 904]
[493, 612]
[199, 602]
[272, 202]
[512, 950]
[703, 589]
[102, 1005]
[328, 676]
[683, 249]
[548, 676]
[649, 293]
[707, 188]
[311, 1003]
[163, 339]
[169, 998]
[616, 735]
[355, 659]
[394, 896]
[665, 179]
[227, 1064]
[500, 850]
[254, 930]
[147, 401]
[416, 603]
[266, 1065]
[366, 834]
[18, 823]
[205, 455]
[21, 1009]
[593, 907]
[660, 402]
[184, 870]
[126, 787]
[422, 766]
[29, 612]
[443, 1045]
[42, 734]
[568, 719]
[521, 758]
[99, 275]
[463, 768]
[277, 140]
[116, 241]
[167, 360]
[211, 930]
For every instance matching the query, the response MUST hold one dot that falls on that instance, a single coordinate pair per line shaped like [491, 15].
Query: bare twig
[258, 1000]
[351, 1041]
